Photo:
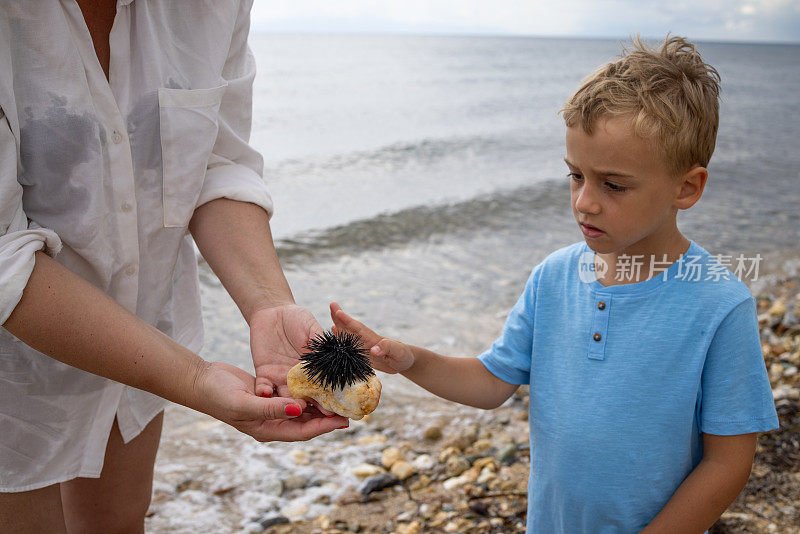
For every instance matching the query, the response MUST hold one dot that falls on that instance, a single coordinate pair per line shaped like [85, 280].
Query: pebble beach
[421, 464]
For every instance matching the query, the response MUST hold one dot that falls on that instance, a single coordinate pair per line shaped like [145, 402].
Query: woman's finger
[264, 387]
[299, 429]
[273, 408]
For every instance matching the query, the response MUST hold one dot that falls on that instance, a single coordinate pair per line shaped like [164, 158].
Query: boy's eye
[615, 187]
[574, 176]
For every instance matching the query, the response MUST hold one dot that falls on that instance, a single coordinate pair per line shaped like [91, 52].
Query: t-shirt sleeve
[509, 357]
[736, 395]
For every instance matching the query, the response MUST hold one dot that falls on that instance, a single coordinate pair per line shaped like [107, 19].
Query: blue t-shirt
[623, 381]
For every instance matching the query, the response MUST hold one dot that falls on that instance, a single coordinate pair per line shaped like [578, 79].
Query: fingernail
[341, 427]
[265, 394]
[293, 410]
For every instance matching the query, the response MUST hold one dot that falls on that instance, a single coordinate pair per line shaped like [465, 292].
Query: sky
[701, 20]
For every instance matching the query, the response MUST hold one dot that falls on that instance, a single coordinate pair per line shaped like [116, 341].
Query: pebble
[432, 433]
[789, 319]
[273, 520]
[778, 308]
[447, 452]
[410, 528]
[422, 482]
[455, 482]
[374, 438]
[456, 465]
[294, 482]
[785, 391]
[402, 469]
[295, 510]
[506, 453]
[367, 470]
[480, 463]
[300, 457]
[391, 456]
[424, 462]
[482, 445]
[378, 482]
[775, 371]
[486, 476]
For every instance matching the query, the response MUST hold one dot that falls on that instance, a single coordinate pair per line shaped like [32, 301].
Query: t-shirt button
[126, 207]
[116, 137]
[601, 305]
[130, 270]
[597, 336]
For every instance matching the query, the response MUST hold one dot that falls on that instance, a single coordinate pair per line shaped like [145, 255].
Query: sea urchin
[336, 360]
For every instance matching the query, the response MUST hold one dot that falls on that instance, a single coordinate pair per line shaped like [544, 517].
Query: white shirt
[105, 175]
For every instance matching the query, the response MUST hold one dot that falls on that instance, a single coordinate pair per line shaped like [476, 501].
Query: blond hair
[671, 95]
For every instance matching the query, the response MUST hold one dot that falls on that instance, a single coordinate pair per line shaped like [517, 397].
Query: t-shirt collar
[659, 279]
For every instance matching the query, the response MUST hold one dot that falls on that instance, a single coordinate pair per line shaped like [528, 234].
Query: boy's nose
[586, 202]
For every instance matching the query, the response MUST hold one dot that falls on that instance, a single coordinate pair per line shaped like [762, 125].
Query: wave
[401, 154]
[546, 202]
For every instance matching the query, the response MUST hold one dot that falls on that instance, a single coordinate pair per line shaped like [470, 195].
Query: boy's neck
[672, 248]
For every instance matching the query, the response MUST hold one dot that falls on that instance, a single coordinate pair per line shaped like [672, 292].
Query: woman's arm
[235, 239]
[710, 488]
[66, 318]
[462, 380]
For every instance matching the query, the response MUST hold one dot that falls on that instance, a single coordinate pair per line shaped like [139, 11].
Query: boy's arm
[462, 380]
[710, 488]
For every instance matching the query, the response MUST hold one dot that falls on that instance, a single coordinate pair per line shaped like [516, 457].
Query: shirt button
[601, 305]
[116, 137]
[130, 270]
[597, 336]
[126, 207]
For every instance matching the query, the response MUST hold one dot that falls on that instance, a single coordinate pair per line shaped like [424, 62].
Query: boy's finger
[334, 306]
[351, 324]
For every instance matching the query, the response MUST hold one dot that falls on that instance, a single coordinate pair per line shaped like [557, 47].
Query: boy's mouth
[590, 231]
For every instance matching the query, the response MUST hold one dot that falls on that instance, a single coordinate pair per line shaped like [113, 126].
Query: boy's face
[623, 196]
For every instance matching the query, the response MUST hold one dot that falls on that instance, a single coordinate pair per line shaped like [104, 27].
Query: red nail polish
[341, 427]
[293, 410]
[266, 394]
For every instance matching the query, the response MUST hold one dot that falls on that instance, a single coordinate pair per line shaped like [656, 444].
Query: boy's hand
[387, 355]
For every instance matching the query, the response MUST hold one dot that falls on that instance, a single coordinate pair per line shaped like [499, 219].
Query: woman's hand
[387, 355]
[228, 393]
[278, 336]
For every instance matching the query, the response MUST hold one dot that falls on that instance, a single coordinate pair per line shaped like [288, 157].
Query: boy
[647, 389]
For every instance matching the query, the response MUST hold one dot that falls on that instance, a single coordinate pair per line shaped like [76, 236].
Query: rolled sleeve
[235, 169]
[509, 358]
[736, 394]
[18, 240]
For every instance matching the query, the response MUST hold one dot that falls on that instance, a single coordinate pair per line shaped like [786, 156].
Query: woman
[123, 135]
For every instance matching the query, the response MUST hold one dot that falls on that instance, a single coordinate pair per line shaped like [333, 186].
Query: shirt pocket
[188, 124]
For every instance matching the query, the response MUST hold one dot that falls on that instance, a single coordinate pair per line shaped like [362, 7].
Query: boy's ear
[690, 187]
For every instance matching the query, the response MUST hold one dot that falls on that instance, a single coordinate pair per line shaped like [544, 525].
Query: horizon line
[257, 31]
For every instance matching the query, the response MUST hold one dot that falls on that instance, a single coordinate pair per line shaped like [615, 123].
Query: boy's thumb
[383, 348]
